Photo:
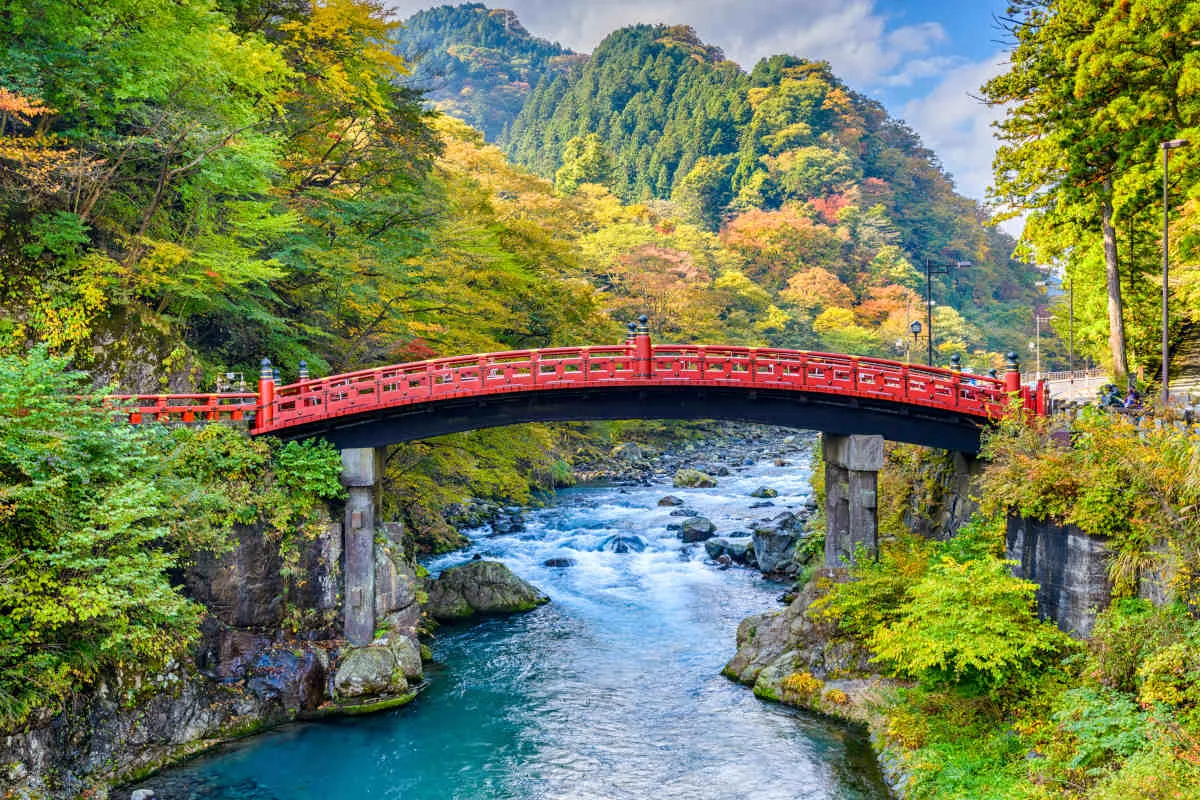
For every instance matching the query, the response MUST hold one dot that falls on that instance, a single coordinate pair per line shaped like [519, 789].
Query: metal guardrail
[1076, 375]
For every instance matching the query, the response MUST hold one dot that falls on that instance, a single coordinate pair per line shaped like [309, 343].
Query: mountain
[476, 63]
[817, 195]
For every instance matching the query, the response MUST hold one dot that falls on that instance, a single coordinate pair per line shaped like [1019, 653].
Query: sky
[923, 59]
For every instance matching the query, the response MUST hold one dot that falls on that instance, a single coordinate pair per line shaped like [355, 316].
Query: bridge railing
[185, 408]
[636, 363]
[668, 365]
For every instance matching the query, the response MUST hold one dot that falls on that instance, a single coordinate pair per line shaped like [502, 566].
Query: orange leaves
[775, 243]
[815, 288]
[23, 109]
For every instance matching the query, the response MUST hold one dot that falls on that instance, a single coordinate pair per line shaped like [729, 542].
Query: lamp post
[1167, 147]
[1038, 319]
[915, 327]
[930, 271]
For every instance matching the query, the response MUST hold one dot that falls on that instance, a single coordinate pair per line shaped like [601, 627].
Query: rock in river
[623, 544]
[694, 478]
[740, 550]
[697, 529]
[480, 587]
[775, 542]
[368, 672]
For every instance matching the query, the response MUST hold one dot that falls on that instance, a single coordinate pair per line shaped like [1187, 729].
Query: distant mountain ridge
[478, 64]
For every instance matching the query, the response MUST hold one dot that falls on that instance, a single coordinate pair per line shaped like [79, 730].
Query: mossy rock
[480, 587]
[693, 479]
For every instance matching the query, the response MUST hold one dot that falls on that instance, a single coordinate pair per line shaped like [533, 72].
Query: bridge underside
[828, 413]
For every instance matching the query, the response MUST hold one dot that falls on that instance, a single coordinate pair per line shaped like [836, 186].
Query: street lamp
[915, 327]
[930, 271]
[1167, 147]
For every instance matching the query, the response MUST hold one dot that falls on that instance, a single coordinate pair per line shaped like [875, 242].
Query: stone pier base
[852, 465]
[361, 471]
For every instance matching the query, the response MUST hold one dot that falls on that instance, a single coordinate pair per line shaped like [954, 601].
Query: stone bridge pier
[852, 465]
[362, 469]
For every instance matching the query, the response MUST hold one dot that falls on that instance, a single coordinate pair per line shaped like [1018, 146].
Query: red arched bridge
[833, 393]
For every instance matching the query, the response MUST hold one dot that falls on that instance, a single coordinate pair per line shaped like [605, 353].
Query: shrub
[1172, 676]
[1104, 726]
[801, 686]
[1125, 634]
[837, 697]
[878, 589]
[969, 622]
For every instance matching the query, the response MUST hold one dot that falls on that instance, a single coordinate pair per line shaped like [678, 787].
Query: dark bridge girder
[823, 412]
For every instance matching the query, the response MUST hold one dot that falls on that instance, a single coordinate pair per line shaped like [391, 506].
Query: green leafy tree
[585, 160]
[1092, 89]
[84, 541]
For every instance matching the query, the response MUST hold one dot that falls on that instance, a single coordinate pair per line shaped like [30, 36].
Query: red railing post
[1012, 373]
[642, 349]
[266, 396]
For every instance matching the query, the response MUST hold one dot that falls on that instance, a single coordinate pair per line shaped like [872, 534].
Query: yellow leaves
[817, 288]
[773, 320]
[345, 42]
[803, 684]
[833, 319]
[157, 267]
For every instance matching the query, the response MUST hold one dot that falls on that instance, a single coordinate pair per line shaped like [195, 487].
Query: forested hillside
[187, 189]
[477, 63]
[806, 194]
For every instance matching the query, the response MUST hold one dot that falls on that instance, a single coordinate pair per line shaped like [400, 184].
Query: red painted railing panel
[224, 407]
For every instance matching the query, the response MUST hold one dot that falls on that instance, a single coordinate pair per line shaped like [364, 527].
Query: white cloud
[956, 124]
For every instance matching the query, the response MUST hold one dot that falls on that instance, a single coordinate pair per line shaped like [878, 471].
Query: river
[610, 692]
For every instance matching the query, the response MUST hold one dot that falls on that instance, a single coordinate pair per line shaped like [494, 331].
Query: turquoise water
[610, 691]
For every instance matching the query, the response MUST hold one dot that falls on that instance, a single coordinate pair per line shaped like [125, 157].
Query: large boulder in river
[628, 452]
[480, 587]
[775, 542]
[693, 479]
[697, 529]
[407, 653]
[368, 672]
[764, 492]
[740, 549]
[294, 677]
[670, 500]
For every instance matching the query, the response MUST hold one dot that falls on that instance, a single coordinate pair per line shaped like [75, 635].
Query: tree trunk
[1116, 315]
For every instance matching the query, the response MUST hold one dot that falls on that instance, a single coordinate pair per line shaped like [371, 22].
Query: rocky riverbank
[270, 652]
[798, 658]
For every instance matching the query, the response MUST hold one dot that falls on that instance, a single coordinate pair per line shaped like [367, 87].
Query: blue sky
[923, 60]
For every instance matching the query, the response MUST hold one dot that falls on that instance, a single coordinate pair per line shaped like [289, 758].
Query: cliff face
[270, 651]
